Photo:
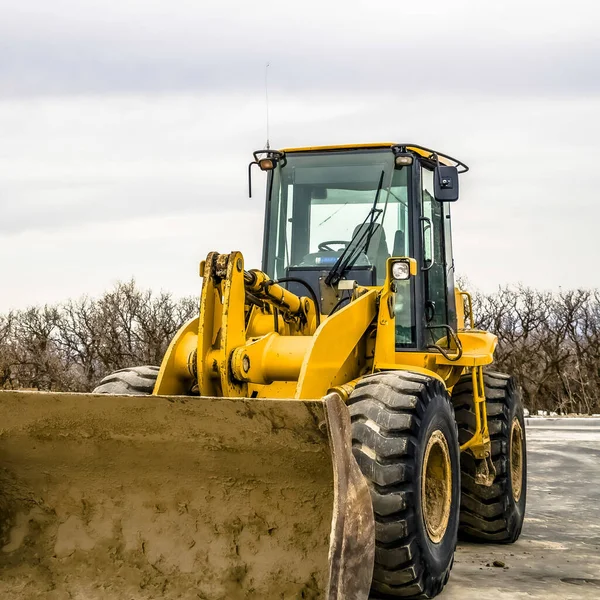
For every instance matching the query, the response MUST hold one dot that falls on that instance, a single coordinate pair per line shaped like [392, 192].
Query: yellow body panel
[478, 349]
[177, 376]
[335, 354]
[339, 147]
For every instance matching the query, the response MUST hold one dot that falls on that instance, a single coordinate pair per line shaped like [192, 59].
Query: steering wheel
[326, 246]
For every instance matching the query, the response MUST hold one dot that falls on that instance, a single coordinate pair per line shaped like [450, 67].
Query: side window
[405, 315]
[404, 309]
[436, 309]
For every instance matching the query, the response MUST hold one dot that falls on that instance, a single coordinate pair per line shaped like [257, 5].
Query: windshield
[320, 201]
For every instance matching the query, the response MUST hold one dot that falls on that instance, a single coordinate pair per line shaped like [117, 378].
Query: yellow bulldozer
[324, 428]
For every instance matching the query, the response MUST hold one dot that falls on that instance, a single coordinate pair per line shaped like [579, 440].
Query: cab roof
[420, 150]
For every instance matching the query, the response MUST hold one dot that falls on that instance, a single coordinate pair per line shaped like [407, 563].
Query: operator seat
[399, 244]
[377, 252]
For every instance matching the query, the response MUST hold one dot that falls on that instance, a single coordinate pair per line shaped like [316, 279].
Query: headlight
[266, 164]
[401, 270]
[403, 160]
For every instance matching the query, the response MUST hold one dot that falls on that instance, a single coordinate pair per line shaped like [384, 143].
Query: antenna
[267, 145]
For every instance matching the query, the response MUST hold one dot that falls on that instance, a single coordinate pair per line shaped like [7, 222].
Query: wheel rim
[516, 458]
[436, 486]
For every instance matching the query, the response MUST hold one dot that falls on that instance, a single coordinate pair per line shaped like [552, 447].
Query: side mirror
[445, 184]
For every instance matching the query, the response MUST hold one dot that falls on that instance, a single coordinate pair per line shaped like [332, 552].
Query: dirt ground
[558, 554]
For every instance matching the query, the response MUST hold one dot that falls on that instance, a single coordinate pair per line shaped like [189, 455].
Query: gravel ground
[558, 554]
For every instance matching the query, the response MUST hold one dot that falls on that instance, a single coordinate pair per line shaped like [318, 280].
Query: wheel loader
[326, 427]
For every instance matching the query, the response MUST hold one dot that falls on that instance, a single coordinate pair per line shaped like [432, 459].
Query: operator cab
[336, 213]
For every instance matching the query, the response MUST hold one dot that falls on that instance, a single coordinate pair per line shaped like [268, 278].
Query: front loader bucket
[139, 497]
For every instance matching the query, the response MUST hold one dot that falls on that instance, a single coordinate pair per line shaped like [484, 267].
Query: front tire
[406, 444]
[494, 513]
[136, 381]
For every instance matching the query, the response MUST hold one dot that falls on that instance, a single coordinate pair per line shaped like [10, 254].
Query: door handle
[427, 220]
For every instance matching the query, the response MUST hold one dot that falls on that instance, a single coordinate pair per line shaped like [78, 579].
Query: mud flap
[121, 497]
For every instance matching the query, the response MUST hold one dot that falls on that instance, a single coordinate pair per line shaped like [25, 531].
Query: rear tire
[406, 444]
[136, 381]
[495, 513]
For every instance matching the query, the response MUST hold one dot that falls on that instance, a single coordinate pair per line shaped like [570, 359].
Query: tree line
[549, 341]
[72, 345]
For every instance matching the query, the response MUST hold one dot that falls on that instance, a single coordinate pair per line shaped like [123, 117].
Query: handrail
[455, 339]
[470, 305]
[431, 242]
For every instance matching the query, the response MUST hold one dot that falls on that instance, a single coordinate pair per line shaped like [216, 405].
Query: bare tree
[550, 342]
[73, 345]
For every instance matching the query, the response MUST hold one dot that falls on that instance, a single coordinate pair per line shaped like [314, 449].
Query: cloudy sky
[126, 128]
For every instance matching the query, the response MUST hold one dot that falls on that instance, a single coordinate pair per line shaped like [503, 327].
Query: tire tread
[135, 381]
[386, 410]
[485, 513]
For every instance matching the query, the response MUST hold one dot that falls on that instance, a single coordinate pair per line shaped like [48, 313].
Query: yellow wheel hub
[436, 486]
[516, 458]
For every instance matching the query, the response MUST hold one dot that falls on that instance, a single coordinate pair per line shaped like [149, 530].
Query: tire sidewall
[438, 416]
[516, 509]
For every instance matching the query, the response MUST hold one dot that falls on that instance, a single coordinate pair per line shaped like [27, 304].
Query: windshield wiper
[357, 243]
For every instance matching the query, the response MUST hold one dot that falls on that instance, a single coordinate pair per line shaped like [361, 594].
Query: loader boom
[257, 339]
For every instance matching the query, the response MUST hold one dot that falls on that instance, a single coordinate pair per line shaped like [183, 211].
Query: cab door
[437, 267]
